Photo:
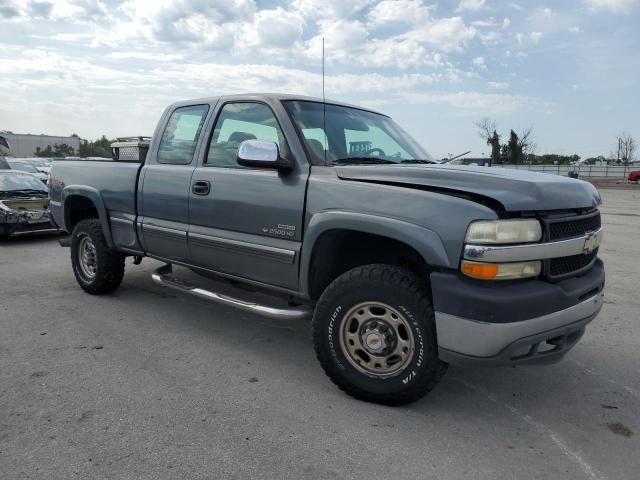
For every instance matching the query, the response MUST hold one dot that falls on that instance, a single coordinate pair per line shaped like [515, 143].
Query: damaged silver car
[24, 204]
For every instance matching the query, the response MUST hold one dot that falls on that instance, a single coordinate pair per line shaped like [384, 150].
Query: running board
[162, 277]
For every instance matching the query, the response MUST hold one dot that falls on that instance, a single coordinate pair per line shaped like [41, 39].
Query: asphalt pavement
[148, 384]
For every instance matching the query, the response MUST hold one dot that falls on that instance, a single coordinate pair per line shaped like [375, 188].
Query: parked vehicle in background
[24, 204]
[634, 176]
[29, 168]
[41, 164]
[406, 266]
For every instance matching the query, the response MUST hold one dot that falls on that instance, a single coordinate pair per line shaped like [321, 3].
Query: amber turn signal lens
[484, 271]
[501, 271]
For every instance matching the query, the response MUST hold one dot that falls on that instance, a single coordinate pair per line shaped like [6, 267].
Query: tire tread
[418, 289]
[111, 262]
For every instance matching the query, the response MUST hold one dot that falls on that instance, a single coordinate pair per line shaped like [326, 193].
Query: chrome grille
[570, 227]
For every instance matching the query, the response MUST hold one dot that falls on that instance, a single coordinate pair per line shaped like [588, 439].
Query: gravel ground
[146, 383]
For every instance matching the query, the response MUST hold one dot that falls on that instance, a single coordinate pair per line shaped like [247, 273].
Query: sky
[570, 69]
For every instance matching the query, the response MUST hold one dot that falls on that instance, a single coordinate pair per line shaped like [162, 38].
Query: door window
[180, 136]
[236, 123]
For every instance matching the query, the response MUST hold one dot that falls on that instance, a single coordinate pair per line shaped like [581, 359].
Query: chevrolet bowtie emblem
[590, 242]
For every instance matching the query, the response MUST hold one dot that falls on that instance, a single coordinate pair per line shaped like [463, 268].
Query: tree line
[519, 148]
[96, 148]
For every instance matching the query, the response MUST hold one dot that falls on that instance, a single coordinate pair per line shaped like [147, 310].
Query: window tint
[361, 142]
[236, 123]
[351, 133]
[181, 134]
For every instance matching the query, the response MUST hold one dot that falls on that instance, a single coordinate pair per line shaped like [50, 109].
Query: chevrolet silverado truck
[403, 265]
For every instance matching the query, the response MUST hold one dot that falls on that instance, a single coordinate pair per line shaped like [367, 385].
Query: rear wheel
[97, 268]
[374, 335]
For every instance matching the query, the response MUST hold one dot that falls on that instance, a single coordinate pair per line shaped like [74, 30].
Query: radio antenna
[324, 111]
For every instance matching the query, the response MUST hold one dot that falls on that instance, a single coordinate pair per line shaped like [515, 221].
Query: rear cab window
[180, 136]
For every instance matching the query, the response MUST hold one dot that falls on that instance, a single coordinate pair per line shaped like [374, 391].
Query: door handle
[201, 187]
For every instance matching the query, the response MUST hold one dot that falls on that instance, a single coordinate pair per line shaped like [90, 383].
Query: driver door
[249, 222]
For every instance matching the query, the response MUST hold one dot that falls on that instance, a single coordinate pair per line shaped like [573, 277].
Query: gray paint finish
[516, 190]
[235, 228]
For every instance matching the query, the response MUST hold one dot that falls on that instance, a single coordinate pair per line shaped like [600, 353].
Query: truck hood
[515, 190]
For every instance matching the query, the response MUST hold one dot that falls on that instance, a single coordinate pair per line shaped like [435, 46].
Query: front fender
[426, 242]
[94, 196]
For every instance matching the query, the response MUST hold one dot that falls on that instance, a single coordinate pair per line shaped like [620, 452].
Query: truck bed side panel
[110, 185]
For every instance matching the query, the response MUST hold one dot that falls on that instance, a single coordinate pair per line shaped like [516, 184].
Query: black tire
[402, 291]
[109, 265]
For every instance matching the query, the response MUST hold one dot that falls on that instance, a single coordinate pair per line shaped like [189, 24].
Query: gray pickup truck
[405, 266]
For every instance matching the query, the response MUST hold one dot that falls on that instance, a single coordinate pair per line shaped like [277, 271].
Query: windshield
[11, 182]
[24, 167]
[350, 135]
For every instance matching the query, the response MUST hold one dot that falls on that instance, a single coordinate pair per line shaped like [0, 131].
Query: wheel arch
[82, 202]
[389, 240]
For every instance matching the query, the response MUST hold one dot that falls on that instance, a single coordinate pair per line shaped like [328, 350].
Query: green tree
[47, 152]
[487, 131]
[97, 148]
[516, 150]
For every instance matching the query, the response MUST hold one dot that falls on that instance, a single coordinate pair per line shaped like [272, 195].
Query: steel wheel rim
[376, 339]
[87, 259]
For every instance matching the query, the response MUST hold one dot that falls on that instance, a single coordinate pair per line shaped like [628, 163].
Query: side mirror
[261, 154]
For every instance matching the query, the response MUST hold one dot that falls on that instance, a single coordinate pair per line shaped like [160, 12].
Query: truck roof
[267, 97]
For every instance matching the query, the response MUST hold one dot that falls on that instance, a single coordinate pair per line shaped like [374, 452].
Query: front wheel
[97, 268]
[374, 335]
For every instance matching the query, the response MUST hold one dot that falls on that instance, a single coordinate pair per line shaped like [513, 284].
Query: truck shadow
[287, 347]
[29, 239]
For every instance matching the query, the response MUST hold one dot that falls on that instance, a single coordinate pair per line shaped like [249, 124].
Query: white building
[25, 145]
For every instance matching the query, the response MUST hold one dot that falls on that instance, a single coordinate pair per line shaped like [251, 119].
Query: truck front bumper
[513, 323]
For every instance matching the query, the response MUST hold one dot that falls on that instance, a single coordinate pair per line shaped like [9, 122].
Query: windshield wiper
[418, 160]
[362, 161]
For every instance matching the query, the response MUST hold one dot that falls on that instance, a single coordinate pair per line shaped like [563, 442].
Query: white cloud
[151, 56]
[491, 38]
[407, 11]
[506, 23]
[447, 34]
[336, 9]
[341, 38]
[68, 10]
[487, 23]
[477, 103]
[274, 28]
[535, 37]
[72, 37]
[498, 85]
[520, 38]
[615, 6]
[480, 62]
[465, 5]
[575, 29]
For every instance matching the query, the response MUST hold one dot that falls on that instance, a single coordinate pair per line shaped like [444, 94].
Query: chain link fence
[583, 170]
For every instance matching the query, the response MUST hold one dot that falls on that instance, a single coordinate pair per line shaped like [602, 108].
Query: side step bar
[162, 277]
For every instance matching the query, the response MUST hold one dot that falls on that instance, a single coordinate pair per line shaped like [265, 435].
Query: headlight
[501, 271]
[504, 231]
